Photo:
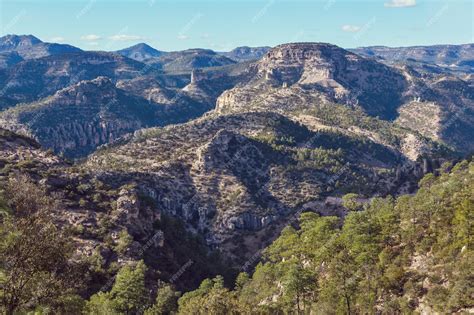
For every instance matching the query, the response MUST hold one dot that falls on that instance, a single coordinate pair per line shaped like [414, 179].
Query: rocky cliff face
[98, 210]
[312, 73]
[76, 120]
[228, 175]
[297, 78]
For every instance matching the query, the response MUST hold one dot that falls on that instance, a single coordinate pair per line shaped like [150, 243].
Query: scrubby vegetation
[37, 266]
[395, 256]
[389, 256]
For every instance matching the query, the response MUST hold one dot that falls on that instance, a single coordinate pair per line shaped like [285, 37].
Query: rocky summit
[318, 72]
[140, 52]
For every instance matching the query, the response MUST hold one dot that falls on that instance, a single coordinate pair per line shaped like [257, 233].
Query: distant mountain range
[246, 53]
[15, 48]
[187, 60]
[456, 58]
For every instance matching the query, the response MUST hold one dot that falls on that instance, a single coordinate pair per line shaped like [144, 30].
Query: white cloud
[182, 37]
[124, 38]
[400, 3]
[57, 39]
[91, 37]
[350, 28]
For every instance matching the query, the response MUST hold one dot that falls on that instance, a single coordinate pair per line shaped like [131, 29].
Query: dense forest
[388, 256]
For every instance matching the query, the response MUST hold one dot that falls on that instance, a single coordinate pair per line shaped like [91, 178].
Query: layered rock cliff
[295, 76]
[299, 78]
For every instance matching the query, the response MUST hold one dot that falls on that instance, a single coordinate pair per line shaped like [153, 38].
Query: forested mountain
[388, 256]
[411, 253]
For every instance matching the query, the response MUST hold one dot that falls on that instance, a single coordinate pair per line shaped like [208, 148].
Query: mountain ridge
[30, 47]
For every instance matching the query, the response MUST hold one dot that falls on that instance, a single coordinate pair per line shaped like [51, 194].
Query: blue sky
[225, 24]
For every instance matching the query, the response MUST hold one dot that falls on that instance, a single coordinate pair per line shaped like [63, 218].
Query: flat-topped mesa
[303, 51]
[314, 72]
[306, 63]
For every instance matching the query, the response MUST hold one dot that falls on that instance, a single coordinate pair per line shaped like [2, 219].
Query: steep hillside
[78, 119]
[298, 75]
[8, 59]
[299, 78]
[441, 108]
[225, 175]
[412, 254]
[30, 80]
[24, 154]
[111, 224]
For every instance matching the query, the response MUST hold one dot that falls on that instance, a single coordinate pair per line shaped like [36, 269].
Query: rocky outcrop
[441, 109]
[24, 154]
[78, 119]
[315, 72]
[137, 216]
[234, 174]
